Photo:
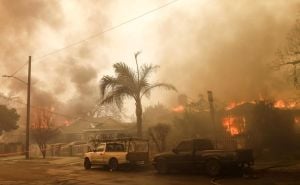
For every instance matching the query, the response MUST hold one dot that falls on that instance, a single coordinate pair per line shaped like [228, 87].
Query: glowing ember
[179, 109]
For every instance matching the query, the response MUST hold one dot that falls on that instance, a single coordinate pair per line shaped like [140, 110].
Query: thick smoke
[67, 81]
[20, 22]
[227, 48]
[223, 46]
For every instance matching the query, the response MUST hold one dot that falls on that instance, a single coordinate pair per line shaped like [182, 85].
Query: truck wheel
[113, 164]
[87, 164]
[162, 167]
[213, 167]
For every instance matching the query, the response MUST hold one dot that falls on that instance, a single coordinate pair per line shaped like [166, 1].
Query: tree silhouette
[8, 119]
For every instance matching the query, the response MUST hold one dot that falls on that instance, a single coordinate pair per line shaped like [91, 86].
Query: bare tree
[158, 134]
[43, 129]
[288, 56]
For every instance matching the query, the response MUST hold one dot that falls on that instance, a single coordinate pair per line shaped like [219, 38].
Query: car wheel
[213, 167]
[87, 164]
[113, 164]
[162, 167]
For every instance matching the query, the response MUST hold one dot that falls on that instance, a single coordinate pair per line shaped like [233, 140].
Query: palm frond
[106, 83]
[124, 71]
[117, 95]
[126, 76]
[146, 91]
[146, 70]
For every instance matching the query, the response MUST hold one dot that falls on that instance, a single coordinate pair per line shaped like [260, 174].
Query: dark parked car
[200, 154]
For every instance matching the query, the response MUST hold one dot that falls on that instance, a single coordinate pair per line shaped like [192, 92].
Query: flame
[234, 124]
[281, 104]
[233, 105]
[297, 120]
[178, 109]
[234, 131]
[67, 123]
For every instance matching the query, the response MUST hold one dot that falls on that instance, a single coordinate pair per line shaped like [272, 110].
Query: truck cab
[200, 154]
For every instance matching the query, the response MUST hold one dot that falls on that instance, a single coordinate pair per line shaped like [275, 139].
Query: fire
[67, 123]
[178, 109]
[234, 124]
[233, 105]
[281, 104]
[297, 120]
[234, 131]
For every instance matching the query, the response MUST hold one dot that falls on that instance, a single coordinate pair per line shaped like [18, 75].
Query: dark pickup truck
[199, 154]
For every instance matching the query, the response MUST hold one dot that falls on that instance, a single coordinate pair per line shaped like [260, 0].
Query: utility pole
[28, 109]
[212, 114]
[28, 83]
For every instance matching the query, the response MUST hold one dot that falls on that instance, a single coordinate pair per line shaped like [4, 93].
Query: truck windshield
[201, 145]
[100, 148]
[115, 147]
[185, 146]
[138, 146]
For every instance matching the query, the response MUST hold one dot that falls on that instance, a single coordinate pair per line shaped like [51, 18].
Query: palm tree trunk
[138, 112]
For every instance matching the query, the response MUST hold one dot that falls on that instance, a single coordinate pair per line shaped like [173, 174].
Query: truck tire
[87, 164]
[113, 164]
[213, 167]
[162, 167]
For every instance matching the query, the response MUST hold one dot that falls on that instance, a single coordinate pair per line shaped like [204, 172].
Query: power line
[19, 69]
[99, 34]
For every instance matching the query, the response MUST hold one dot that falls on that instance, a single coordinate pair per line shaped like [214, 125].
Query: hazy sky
[224, 46]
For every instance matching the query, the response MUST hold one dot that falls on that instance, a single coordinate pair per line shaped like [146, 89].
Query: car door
[201, 146]
[98, 155]
[115, 150]
[183, 158]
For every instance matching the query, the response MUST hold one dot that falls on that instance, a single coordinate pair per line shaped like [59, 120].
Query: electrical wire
[97, 34]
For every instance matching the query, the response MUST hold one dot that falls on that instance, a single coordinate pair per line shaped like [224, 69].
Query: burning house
[263, 125]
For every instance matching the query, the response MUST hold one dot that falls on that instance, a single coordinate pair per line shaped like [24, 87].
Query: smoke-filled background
[223, 46]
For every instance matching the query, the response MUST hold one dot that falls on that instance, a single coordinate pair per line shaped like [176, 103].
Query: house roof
[80, 126]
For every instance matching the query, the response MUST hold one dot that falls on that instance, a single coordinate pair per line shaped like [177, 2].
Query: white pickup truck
[113, 153]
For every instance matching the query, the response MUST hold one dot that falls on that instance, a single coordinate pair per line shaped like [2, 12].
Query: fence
[11, 148]
[62, 149]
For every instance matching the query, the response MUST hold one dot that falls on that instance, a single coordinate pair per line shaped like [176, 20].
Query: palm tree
[130, 84]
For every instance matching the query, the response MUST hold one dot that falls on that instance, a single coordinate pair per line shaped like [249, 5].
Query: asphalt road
[66, 171]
